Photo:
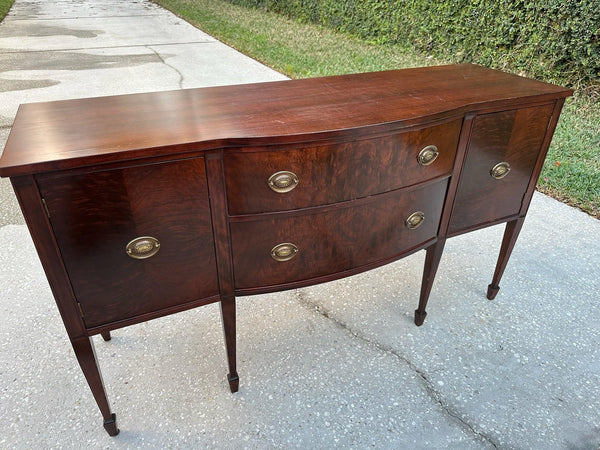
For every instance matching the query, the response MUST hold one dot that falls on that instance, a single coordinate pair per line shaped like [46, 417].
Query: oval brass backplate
[415, 220]
[500, 170]
[283, 181]
[142, 247]
[284, 252]
[428, 155]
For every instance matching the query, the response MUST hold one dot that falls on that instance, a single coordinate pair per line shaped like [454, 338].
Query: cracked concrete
[163, 60]
[515, 369]
[338, 365]
[447, 408]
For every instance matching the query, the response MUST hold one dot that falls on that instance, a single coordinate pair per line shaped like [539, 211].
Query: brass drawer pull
[282, 182]
[415, 220]
[428, 155]
[500, 170]
[284, 252]
[142, 247]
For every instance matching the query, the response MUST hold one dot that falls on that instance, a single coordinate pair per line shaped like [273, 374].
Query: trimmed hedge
[555, 40]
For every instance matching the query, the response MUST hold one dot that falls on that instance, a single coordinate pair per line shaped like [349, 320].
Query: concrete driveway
[339, 365]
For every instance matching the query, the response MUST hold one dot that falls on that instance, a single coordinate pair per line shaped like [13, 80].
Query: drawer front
[510, 139]
[333, 239]
[95, 215]
[337, 172]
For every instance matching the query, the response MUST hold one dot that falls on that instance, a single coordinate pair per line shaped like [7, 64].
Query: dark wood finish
[106, 335]
[37, 222]
[332, 277]
[511, 233]
[542, 156]
[513, 228]
[190, 168]
[39, 227]
[152, 315]
[465, 134]
[229, 331]
[86, 356]
[73, 133]
[513, 136]
[434, 252]
[110, 425]
[218, 205]
[337, 172]
[334, 239]
[106, 210]
[432, 261]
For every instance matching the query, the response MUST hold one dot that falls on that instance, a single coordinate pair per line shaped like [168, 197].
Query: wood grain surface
[95, 215]
[337, 172]
[64, 134]
[334, 239]
[190, 168]
[513, 136]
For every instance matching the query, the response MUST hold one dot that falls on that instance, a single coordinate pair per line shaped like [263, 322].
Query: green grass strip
[299, 50]
[295, 49]
[4, 7]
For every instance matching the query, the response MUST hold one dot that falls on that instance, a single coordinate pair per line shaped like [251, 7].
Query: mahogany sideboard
[148, 204]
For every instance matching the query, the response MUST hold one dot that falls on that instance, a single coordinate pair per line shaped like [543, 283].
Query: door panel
[514, 137]
[108, 209]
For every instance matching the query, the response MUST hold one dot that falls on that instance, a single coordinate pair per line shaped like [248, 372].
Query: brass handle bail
[428, 155]
[500, 170]
[284, 252]
[415, 220]
[142, 247]
[282, 182]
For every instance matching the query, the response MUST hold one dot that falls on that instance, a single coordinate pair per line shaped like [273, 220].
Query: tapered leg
[511, 233]
[432, 261]
[228, 316]
[86, 356]
[106, 335]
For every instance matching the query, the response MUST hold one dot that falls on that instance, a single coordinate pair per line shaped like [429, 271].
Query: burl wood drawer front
[95, 215]
[338, 172]
[335, 238]
[499, 141]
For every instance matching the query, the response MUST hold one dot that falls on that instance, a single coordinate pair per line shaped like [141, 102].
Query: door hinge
[46, 207]
[80, 310]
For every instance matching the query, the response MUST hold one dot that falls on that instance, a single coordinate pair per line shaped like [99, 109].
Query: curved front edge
[333, 276]
[334, 241]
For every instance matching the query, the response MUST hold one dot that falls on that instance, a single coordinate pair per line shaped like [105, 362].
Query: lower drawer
[333, 239]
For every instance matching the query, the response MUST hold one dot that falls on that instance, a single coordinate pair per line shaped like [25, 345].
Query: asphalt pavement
[338, 365]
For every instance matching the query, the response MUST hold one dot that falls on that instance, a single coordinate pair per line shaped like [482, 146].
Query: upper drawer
[336, 172]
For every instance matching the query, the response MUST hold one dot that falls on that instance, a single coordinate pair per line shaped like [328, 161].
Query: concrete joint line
[80, 17]
[74, 49]
[168, 65]
[427, 385]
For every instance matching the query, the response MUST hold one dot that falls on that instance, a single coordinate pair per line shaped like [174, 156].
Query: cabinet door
[513, 137]
[95, 215]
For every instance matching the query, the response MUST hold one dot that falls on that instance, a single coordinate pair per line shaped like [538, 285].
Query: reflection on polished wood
[148, 204]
